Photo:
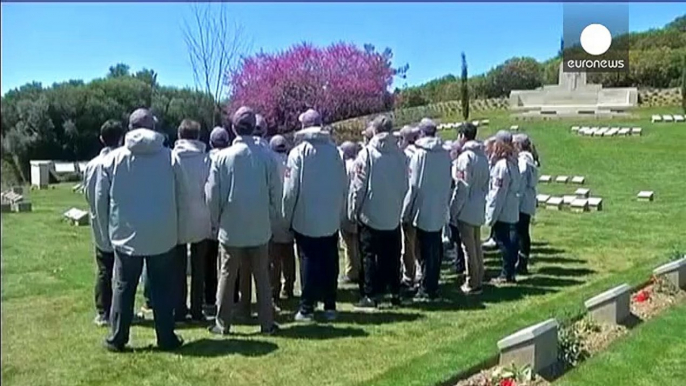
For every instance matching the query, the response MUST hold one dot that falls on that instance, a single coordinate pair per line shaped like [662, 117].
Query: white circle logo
[596, 39]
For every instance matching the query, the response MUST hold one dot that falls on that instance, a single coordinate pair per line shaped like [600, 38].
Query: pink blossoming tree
[340, 81]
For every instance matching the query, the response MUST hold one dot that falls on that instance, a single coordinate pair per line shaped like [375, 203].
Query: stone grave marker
[535, 346]
[514, 128]
[656, 118]
[77, 216]
[78, 188]
[542, 198]
[595, 203]
[579, 205]
[582, 193]
[612, 132]
[636, 131]
[645, 195]
[581, 131]
[675, 272]
[484, 122]
[554, 203]
[667, 118]
[624, 131]
[568, 199]
[575, 129]
[579, 180]
[612, 306]
[22, 206]
[562, 179]
[600, 132]
[475, 123]
[13, 198]
[679, 118]
[545, 178]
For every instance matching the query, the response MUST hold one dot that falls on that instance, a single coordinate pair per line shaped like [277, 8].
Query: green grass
[653, 354]
[47, 272]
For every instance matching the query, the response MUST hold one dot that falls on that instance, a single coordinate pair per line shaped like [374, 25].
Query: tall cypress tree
[465, 89]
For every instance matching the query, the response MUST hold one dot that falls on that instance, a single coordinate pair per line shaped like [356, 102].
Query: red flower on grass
[642, 296]
[507, 382]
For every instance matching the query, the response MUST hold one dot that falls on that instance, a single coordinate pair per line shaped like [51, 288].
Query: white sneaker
[304, 318]
[490, 243]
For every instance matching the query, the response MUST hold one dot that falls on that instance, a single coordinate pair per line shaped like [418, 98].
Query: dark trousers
[430, 247]
[103, 282]
[523, 234]
[198, 252]
[127, 272]
[211, 273]
[380, 252]
[506, 238]
[147, 296]
[457, 241]
[318, 270]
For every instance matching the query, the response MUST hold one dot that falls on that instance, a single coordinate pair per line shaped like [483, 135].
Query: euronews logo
[595, 38]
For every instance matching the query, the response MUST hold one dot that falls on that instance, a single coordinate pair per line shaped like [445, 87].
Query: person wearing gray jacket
[349, 231]
[410, 273]
[281, 246]
[502, 203]
[136, 192]
[313, 202]
[527, 198]
[191, 168]
[378, 188]
[244, 196]
[468, 204]
[426, 204]
[111, 134]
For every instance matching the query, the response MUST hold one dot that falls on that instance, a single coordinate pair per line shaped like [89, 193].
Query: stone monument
[573, 97]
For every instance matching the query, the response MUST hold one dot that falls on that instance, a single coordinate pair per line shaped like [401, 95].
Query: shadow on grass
[221, 347]
[632, 321]
[377, 318]
[561, 271]
[547, 281]
[321, 332]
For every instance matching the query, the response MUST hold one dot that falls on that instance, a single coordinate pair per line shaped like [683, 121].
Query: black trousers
[380, 251]
[103, 282]
[198, 253]
[506, 238]
[318, 271]
[457, 241]
[211, 263]
[523, 234]
[127, 272]
[430, 247]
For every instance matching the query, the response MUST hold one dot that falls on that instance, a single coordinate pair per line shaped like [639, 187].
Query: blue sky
[56, 42]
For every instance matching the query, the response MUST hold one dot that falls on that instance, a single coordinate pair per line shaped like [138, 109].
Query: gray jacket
[191, 169]
[529, 174]
[427, 200]
[280, 229]
[244, 193]
[137, 193]
[315, 185]
[346, 224]
[379, 184]
[502, 202]
[468, 203]
[99, 225]
[214, 232]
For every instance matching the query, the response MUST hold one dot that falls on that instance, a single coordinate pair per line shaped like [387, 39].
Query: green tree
[119, 69]
[464, 79]
[683, 84]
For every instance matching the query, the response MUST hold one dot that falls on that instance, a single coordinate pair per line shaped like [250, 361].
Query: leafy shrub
[571, 350]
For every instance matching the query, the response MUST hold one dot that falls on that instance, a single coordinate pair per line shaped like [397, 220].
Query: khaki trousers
[351, 248]
[473, 254]
[410, 271]
[233, 258]
[281, 260]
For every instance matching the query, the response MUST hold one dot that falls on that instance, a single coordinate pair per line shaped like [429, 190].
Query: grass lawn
[47, 279]
[653, 354]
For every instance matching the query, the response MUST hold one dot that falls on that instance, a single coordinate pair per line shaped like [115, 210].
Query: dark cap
[278, 143]
[381, 124]
[260, 125]
[219, 137]
[310, 118]
[427, 126]
[522, 139]
[142, 118]
[244, 118]
[503, 136]
[349, 149]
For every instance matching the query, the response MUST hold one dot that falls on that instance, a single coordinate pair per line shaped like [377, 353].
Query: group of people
[240, 211]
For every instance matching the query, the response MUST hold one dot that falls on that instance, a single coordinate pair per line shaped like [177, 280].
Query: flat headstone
[624, 131]
[667, 118]
[656, 118]
[568, 199]
[600, 132]
[582, 193]
[579, 180]
[23, 206]
[674, 271]
[645, 195]
[636, 131]
[591, 131]
[612, 132]
[514, 128]
[535, 346]
[679, 118]
[562, 179]
[77, 188]
[595, 203]
[475, 123]
[575, 128]
[579, 205]
[484, 122]
[13, 198]
[545, 178]
[542, 198]
[596, 128]
[77, 216]
[582, 131]
[611, 306]
[554, 203]
[65, 167]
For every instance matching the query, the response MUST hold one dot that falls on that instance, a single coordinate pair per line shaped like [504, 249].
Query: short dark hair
[189, 129]
[111, 132]
[468, 130]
